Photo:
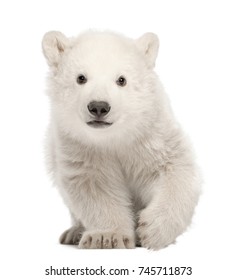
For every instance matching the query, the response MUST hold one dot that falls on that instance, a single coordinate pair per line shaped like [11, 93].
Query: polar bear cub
[119, 158]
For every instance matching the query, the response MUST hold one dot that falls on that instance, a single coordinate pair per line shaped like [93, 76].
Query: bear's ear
[148, 44]
[54, 44]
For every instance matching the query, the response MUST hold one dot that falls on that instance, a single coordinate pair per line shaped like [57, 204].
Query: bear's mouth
[99, 124]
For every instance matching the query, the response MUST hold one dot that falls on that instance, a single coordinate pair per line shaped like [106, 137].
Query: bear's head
[102, 85]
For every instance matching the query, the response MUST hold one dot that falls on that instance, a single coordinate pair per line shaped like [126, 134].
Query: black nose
[98, 108]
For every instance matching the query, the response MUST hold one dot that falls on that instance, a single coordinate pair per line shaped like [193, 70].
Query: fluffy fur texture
[128, 177]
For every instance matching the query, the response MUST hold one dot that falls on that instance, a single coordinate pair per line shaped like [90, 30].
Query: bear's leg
[100, 200]
[109, 224]
[169, 212]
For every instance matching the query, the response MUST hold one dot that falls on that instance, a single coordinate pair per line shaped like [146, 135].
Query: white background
[197, 65]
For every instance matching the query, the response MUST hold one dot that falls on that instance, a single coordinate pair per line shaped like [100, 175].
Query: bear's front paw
[106, 240]
[155, 233]
[72, 235]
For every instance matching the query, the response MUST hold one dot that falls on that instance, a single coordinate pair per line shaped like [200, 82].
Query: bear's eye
[121, 81]
[81, 80]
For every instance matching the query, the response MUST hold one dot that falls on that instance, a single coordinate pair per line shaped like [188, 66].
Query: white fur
[134, 182]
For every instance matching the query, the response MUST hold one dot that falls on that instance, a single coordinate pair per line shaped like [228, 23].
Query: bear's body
[118, 157]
